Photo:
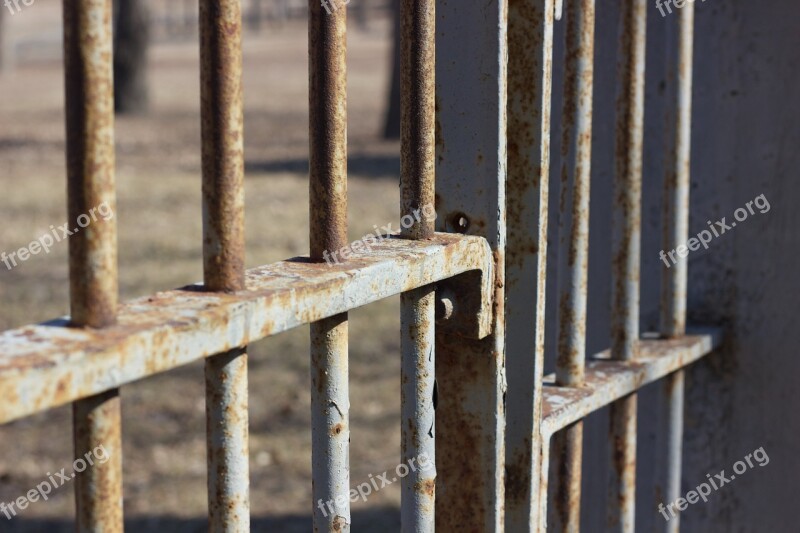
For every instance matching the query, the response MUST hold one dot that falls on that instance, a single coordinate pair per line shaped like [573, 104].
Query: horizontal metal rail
[608, 380]
[50, 364]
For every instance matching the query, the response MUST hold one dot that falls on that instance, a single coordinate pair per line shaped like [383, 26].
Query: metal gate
[476, 80]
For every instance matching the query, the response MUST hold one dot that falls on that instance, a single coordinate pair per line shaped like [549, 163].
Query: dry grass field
[158, 187]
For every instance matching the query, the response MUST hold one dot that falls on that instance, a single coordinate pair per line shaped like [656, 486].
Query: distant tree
[131, 41]
[391, 129]
[4, 52]
[255, 15]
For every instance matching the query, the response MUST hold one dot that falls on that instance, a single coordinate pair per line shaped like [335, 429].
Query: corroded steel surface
[418, 389]
[418, 307]
[45, 365]
[626, 252]
[327, 108]
[228, 448]
[626, 255]
[330, 403]
[608, 380]
[223, 258]
[573, 255]
[530, 51]
[417, 125]
[676, 233]
[677, 178]
[89, 91]
[97, 422]
[90, 160]
[223, 144]
[470, 373]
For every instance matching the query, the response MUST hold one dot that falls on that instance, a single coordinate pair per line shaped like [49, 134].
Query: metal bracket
[464, 304]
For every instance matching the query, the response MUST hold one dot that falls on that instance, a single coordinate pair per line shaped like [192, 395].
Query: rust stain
[90, 161]
[222, 133]
[327, 38]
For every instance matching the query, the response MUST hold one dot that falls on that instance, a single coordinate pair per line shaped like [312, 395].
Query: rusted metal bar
[567, 452]
[573, 254]
[676, 182]
[93, 250]
[97, 421]
[530, 54]
[223, 258]
[668, 483]
[676, 234]
[48, 365]
[223, 144]
[470, 187]
[90, 160]
[330, 399]
[540, 521]
[628, 181]
[622, 496]
[417, 315]
[626, 255]
[417, 416]
[573, 257]
[417, 125]
[608, 380]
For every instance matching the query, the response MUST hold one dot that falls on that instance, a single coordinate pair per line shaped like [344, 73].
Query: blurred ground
[158, 162]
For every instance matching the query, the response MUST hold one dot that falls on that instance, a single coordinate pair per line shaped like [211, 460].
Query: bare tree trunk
[255, 15]
[131, 40]
[5, 57]
[391, 128]
[359, 10]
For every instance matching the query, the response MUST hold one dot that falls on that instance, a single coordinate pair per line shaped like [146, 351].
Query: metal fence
[476, 145]
[177, 19]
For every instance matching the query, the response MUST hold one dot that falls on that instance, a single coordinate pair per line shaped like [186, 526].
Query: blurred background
[158, 180]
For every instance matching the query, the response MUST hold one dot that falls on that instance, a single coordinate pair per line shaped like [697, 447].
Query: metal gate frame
[484, 140]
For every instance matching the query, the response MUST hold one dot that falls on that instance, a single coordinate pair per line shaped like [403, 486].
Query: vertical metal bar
[418, 437]
[330, 398]
[622, 495]
[89, 96]
[220, 24]
[567, 453]
[573, 257]
[626, 255]
[676, 183]
[668, 483]
[470, 186]
[97, 421]
[676, 232]
[417, 108]
[540, 524]
[628, 182]
[530, 63]
[417, 131]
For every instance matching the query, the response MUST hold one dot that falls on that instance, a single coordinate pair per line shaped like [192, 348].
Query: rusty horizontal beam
[47, 365]
[607, 380]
